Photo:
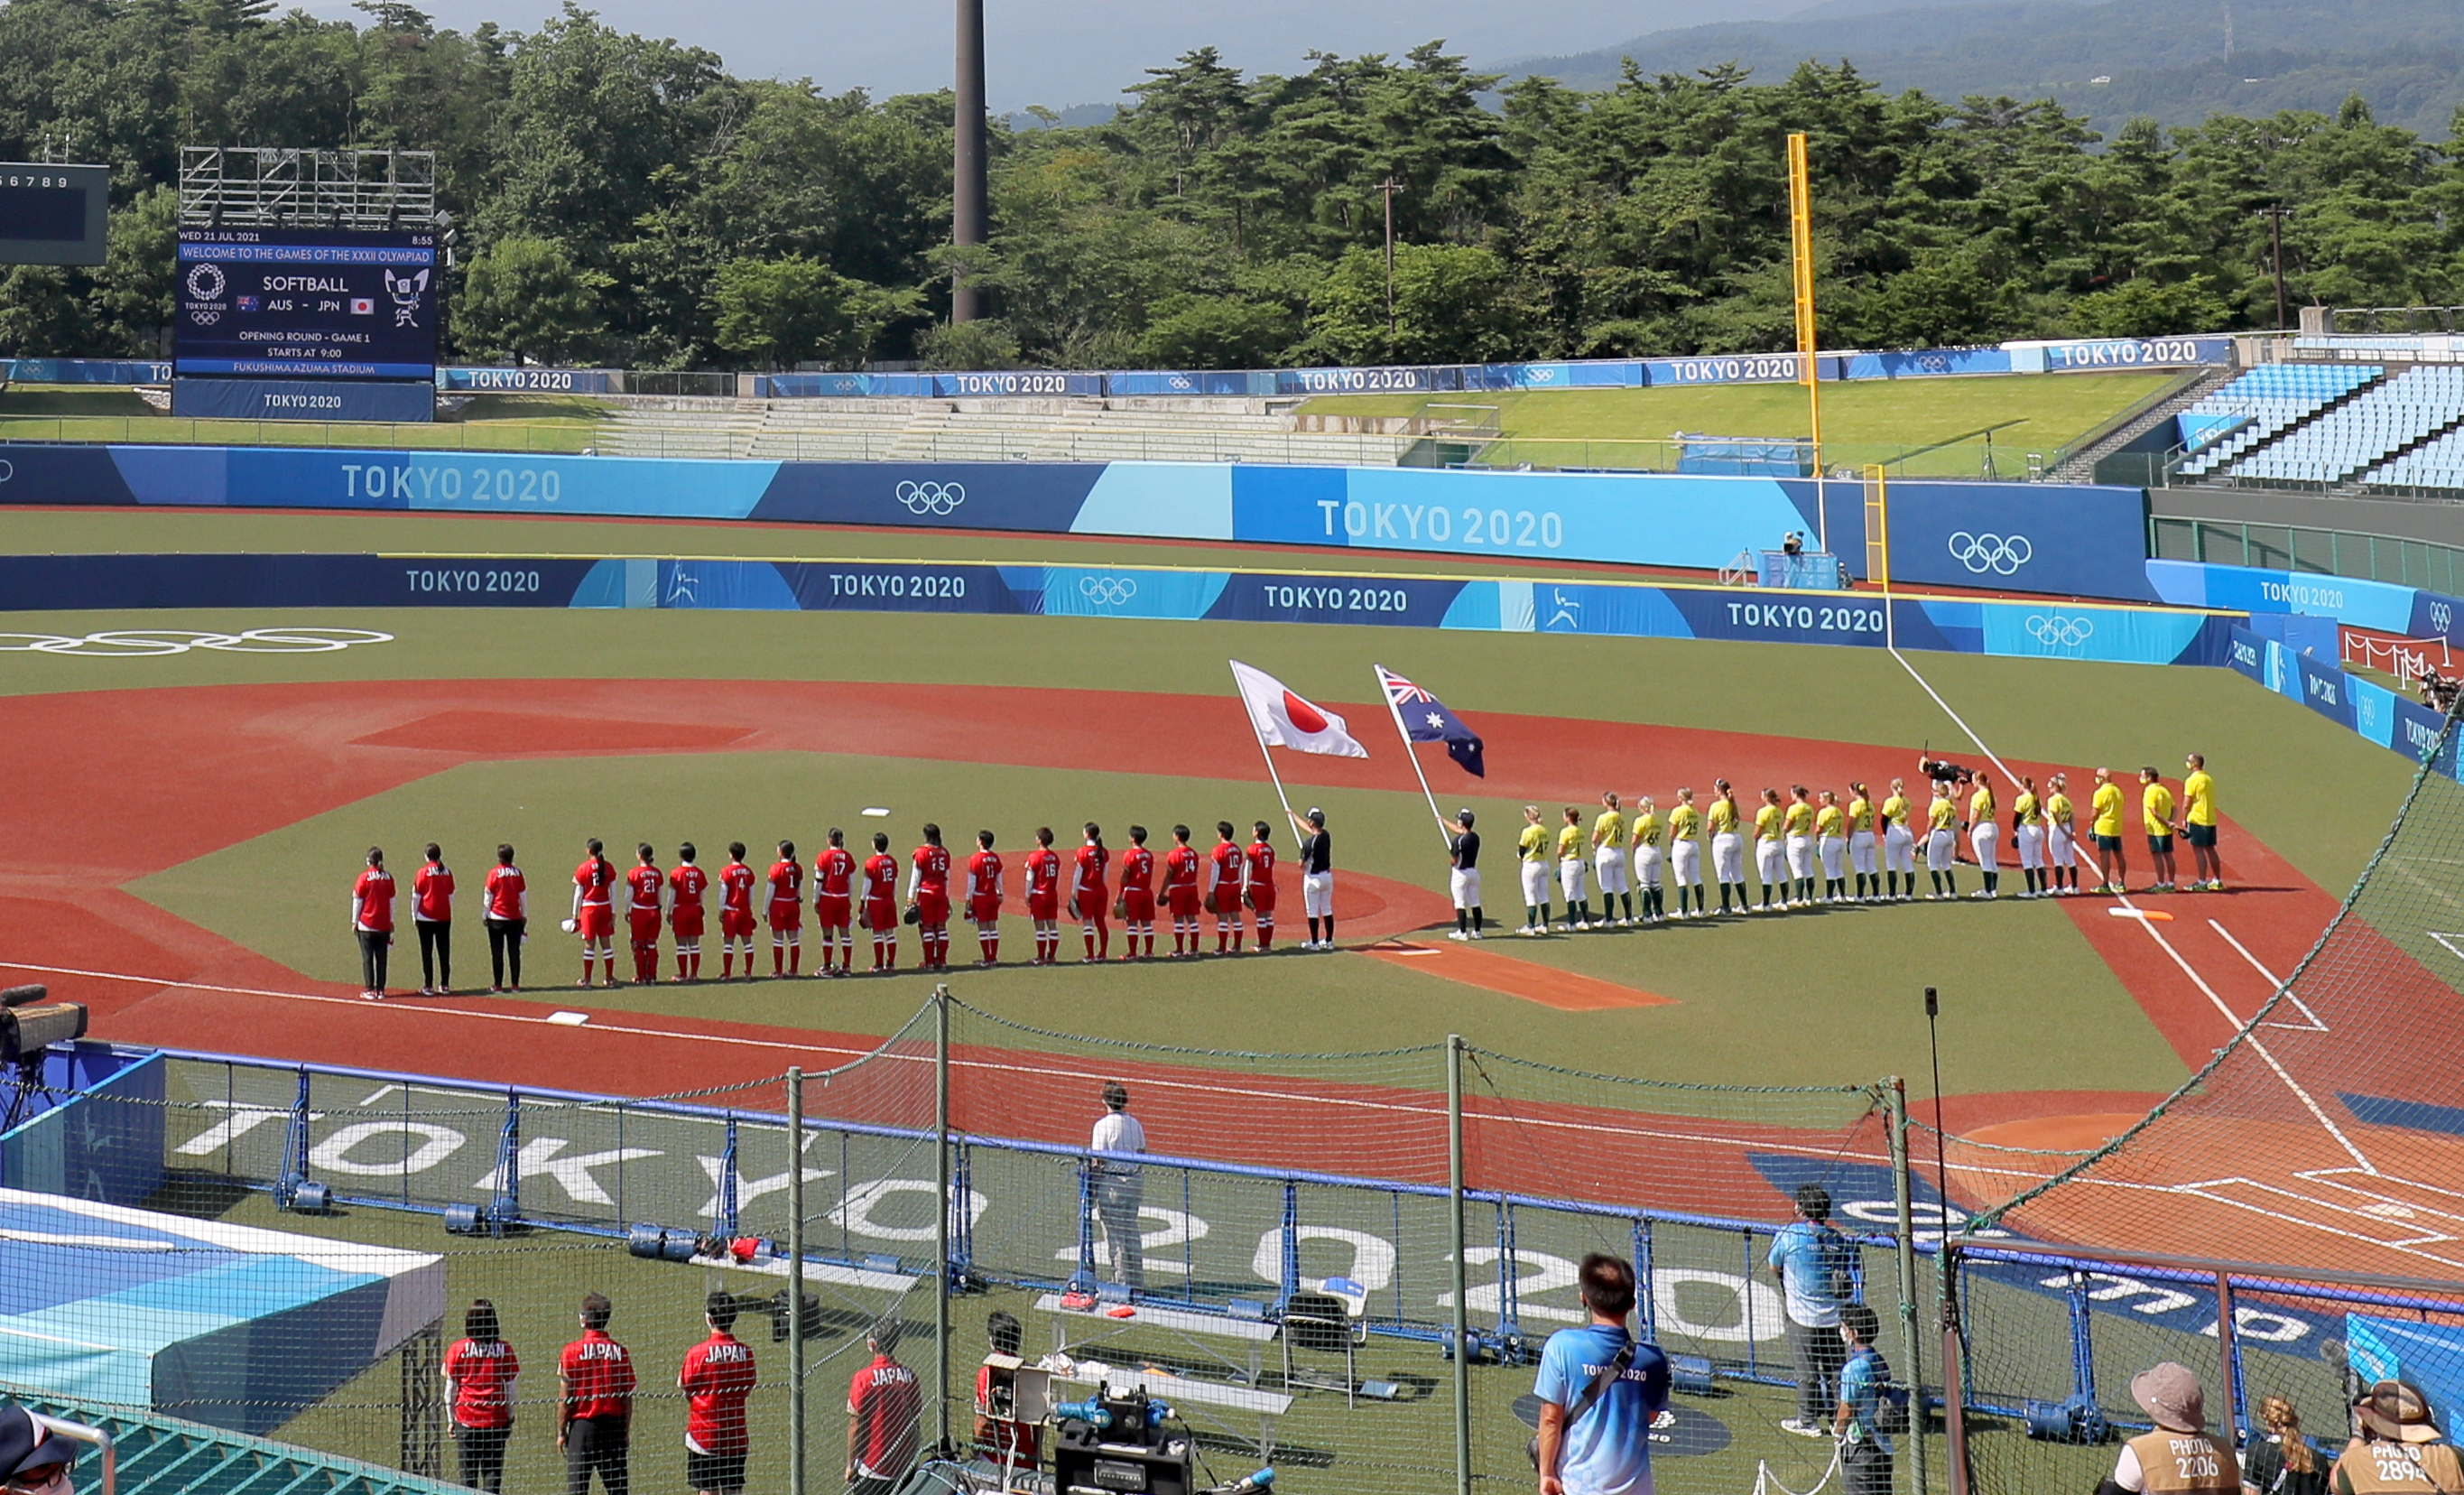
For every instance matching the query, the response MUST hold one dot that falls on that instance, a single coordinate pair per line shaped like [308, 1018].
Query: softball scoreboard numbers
[53, 214]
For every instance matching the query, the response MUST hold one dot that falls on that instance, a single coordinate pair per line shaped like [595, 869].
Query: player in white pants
[1608, 856]
[1531, 852]
[2028, 837]
[1573, 869]
[1771, 850]
[1861, 844]
[1648, 860]
[1831, 847]
[2061, 857]
[1899, 843]
[1728, 847]
[1797, 820]
[1941, 840]
[1985, 835]
[1686, 856]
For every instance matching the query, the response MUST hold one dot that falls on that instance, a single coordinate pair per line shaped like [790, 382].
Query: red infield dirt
[1567, 991]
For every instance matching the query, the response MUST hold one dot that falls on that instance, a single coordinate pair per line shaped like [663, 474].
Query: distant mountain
[2176, 61]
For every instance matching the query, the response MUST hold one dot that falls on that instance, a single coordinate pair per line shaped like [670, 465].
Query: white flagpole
[1276, 778]
[1397, 713]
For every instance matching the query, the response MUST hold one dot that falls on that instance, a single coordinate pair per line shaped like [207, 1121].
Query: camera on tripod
[29, 1025]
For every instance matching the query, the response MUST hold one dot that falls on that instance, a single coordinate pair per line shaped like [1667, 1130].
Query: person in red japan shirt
[716, 1377]
[432, 916]
[984, 898]
[686, 886]
[1088, 895]
[508, 897]
[1044, 896]
[880, 902]
[834, 873]
[1137, 896]
[372, 923]
[594, 910]
[1224, 873]
[594, 1413]
[480, 1372]
[928, 888]
[1180, 876]
[786, 880]
[736, 884]
[645, 899]
[1258, 884]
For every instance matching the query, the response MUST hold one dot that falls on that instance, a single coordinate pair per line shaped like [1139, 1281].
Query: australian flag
[1426, 719]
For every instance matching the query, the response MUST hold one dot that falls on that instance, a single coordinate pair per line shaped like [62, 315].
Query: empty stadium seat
[2268, 400]
[2365, 432]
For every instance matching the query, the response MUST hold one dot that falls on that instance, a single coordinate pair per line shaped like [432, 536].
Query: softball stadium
[2065, 1133]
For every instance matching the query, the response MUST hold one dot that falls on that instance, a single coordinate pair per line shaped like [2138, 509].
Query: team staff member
[1686, 856]
[1317, 878]
[1898, 843]
[508, 897]
[646, 890]
[885, 1404]
[1728, 846]
[2156, 816]
[1609, 858]
[2199, 825]
[431, 917]
[2178, 1456]
[594, 1410]
[1120, 1187]
[480, 1371]
[786, 880]
[1941, 840]
[880, 902]
[1771, 850]
[1831, 847]
[1864, 1390]
[1137, 896]
[372, 923]
[1572, 870]
[2028, 836]
[1532, 850]
[1258, 884]
[1044, 898]
[1181, 869]
[1223, 887]
[2396, 1449]
[927, 893]
[1796, 830]
[2061, 838]
[2105, 822]
[686, 886]
[594, 910]
[1463, 881]
[718, 1375]
[1985, 836]
[1599, 1444]
[984, 898]
[834, 875]
[1648, 860]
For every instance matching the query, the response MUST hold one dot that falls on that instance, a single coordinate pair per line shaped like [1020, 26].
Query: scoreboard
[306, 303]
[53, 214]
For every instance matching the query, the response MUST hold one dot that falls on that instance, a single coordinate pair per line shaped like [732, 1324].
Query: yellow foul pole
[1800, 214]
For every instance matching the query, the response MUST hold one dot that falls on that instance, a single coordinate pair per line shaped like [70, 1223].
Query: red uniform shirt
[1043, 874]
[689, 882]
[1181, 875]
[1226, 864]
[983, 876]
[644, 882]
[880, 878]
[594, 877]
[374, 894]
[505, 889]
[482, 1377]
[1137, 871]
[716, 1377]
[1257, 879]
[833, 871]
[598, 1376]
[735, 882]
[432, 891]
[886, 1403]
[787, 883]
[1088, 876]
[932, 871]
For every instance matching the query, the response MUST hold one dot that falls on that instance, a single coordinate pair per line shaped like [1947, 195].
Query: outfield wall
[2380, 606]
[2364, 706]
[2055, 538]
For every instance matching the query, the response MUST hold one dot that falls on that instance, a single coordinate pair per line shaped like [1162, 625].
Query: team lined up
[1233, 883]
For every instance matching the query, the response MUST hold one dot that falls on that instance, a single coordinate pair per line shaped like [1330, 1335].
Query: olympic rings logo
[1107, 591]
[938, 499]
[1982, 553]
[154, 643]
[2055, 631]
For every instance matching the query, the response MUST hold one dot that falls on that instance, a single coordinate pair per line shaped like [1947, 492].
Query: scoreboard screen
[306, 303]
[53, 214]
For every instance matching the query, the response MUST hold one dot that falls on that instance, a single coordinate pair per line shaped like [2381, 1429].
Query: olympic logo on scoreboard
[154, 643]
[937, 499]
[1982, 553]
[206, 282]
[2055, 631]
[1107, 591]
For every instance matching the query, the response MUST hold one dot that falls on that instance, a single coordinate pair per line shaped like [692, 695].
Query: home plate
[2141, 913]
[570, 1019]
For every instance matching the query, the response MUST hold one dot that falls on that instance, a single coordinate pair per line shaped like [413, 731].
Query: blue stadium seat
[2257, 406]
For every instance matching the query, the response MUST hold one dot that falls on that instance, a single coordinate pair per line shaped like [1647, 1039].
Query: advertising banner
[302, 400]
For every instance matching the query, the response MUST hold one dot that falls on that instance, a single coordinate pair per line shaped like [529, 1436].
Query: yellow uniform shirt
[1569, 843]
[1685, 824]
[1861, 814]
[1799, 819]
[1767, 822]
[1828, 821]
[1646, 830]
[1534, 843]
[1894, 809]
[2024, 810]
[1609, 830]
[1723, 816]
[2058, 809]
[1980, 804]
[2156, 809]
[2199, 798]
[2106, 807]
[1943, 815]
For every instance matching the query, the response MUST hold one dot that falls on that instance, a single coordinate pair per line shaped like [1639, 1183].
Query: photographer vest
[2379, 1467]
[2171, 1462]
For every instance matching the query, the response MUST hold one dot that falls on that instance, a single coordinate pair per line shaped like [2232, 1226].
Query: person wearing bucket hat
[2177, 1455]
[31, 1457]
[2396, 1446]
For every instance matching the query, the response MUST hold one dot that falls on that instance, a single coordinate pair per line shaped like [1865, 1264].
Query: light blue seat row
[2269, 399]
[2359, 435]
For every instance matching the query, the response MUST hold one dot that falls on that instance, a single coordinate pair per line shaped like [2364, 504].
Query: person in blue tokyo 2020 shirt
[1606, 1451]
[1813, 1263]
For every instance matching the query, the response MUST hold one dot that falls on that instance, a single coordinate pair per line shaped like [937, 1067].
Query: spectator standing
[372, 923]
[2278, 1459]
[884, 1404]
[2177, 1456]
[509, 916]
[1120, 1187]
[1870, 1407]
[2396, 1449]
[716, 1377]
[1811, 1261]
[1599, 1390]
[480, 1370]
[594, 1422]
[431, 916]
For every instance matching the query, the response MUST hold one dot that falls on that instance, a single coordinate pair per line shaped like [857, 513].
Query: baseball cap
[2397, 1409]
[24, 1444]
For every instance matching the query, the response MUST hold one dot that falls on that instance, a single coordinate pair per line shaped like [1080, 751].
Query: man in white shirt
[1119, 1187]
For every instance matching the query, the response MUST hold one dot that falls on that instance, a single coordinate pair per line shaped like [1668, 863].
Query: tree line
[627, 200]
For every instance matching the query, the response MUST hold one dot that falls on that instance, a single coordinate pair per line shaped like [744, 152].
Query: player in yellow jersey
[1831, 847]
[1771, 850]
[2028, 836]
[1728, 846]
[1796, 825]
[1898, 843]
[2105, 824]
[1985, 835]
[1941, 840]
[1572, 867]
[1686, 856]
[1531, 849]
[1861, 843]
[2199, 827]
[2156, 816]
[1647, 861]
[1608, 858]
[2061, 839]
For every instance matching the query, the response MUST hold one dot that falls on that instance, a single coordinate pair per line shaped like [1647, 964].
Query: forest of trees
[627, 201]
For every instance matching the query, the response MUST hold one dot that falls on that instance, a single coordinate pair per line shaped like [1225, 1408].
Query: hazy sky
[1060, 52]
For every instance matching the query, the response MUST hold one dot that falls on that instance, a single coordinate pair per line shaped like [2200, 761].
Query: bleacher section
[2437, 463]
[2261, 404]
[985, 430]
[2381, 422]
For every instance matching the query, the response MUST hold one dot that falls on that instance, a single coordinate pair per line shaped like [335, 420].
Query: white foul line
[2276, 981]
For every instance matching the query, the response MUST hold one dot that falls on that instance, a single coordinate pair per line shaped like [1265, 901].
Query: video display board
[53, 214]
[306, 303]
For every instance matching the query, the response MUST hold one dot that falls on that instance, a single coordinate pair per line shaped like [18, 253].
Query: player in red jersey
[1223, 887]
[594, 911]
[786, 879]
[880, 902]
[431, 915]
[1258, 884]
[686, 886]
[1088, 895]
[372, 897]
[645, 907]
[1044, 896]
[1180, 891]
[928, 890]
[834, 903]
[1137, 896]
[509, 917]
[985, 897]
[736, 883]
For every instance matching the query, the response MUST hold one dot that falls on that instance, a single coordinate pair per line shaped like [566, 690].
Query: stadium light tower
[969, 221]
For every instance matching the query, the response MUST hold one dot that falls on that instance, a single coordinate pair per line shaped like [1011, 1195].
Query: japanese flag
[1283, 718]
